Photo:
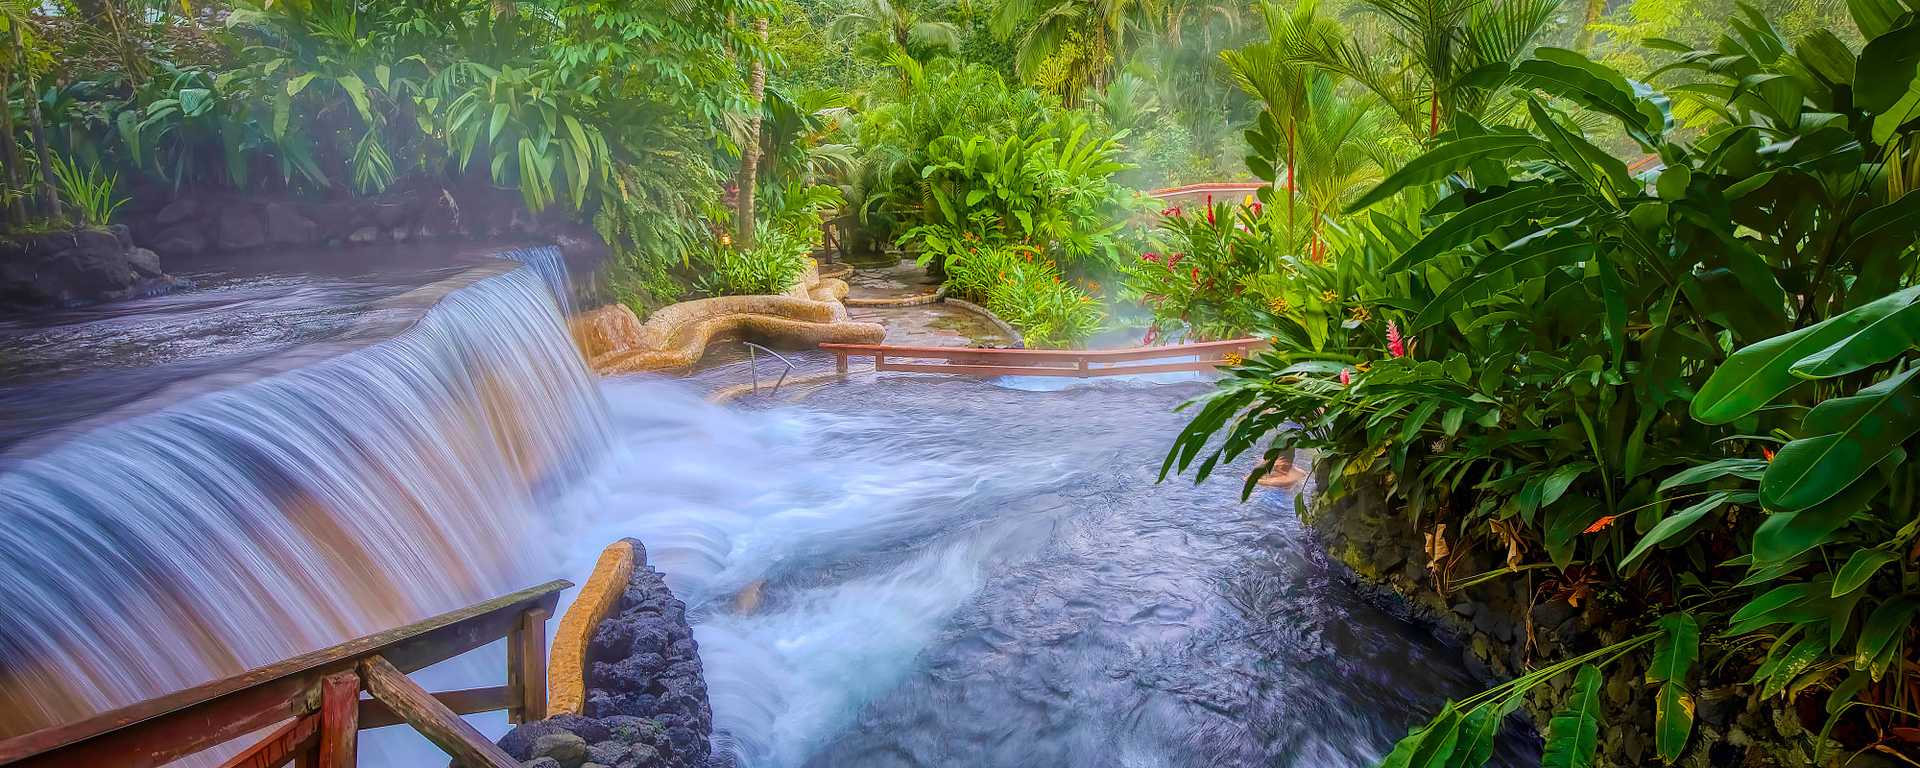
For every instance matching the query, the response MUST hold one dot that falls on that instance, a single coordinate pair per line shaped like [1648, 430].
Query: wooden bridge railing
[1078, 363]
[312, 702]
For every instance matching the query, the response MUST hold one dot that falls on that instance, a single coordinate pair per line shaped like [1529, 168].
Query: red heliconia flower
[1346, 376]
[1256, 209]
[1768, 453]
[1601, 524]
[1175, 259]
[1209, 209]
[1194, 274]
[1396, 343]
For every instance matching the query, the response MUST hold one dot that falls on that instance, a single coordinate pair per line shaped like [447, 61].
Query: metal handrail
[754, 357]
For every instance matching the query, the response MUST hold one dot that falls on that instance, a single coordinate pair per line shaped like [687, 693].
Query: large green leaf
[1675, 650]
[1672, 721]
[1573, 735]
[1675, 524]
[1569, 75]
[1878, 342]
[1848, 437]
[1859, 568]
[1881, 635]
[1746, 469]
[1757, 373]
[1450, 158]
[1891, 228]
[1887, 65]
[1482, 218]
[1785, 534]
[1429, 746]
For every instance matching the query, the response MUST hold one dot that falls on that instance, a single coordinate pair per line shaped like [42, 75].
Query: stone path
[931, 325]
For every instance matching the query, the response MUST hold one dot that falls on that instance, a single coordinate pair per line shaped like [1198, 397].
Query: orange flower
[1767, 452]
[1601, 524]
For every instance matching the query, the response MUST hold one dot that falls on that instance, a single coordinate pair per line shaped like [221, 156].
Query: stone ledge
[567, 659]
[675, 337]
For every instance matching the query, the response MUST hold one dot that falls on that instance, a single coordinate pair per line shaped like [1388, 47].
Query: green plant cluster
[1687, 391]
[619, 112]
[1026, 290]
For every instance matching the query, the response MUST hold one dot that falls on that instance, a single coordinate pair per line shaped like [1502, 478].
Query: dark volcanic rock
[647, 701]
[240, 229]
[286, 226]
[83, 266]
[181, 240]
[177, 211]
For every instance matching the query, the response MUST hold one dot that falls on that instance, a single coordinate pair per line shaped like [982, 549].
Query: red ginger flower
[1346, 376]
[1396, 343]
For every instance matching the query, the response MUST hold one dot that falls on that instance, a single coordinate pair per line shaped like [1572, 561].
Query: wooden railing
[312, 702]
[1078, 363]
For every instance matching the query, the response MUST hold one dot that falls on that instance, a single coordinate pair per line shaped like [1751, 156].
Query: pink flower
[1175, 259]
[1346, 376]
[1396, 343]
[1150, 256]
[1256, 209]
[1151, 333]
[1209, 209]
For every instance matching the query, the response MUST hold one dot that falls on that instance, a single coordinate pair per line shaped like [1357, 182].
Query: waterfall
[236, 528]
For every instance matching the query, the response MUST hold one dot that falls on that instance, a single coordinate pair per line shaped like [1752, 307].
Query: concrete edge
[567, 658]
[1004, 326]
[902, 301]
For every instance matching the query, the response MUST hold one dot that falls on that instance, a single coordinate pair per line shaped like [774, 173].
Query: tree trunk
[743, 214]
[49, 191]
[1584, 42]
[17, 209]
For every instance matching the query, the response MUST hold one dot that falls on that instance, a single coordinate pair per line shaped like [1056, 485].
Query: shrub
[771, 266]
[88, 192]
[1591, 371]
[1027, 292]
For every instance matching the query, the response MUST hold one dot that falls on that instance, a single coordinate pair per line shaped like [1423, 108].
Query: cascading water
[902, 572]
[243, 526]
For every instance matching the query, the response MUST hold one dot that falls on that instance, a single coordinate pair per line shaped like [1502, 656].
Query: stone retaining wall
[645, 690]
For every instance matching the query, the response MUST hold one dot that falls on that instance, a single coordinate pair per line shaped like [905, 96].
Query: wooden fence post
[527, 668]
[339, 720]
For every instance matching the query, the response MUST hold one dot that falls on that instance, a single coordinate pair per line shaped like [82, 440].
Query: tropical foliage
[1686, 390]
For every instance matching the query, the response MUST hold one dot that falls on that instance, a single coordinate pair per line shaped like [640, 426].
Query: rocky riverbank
[1522, 621]
[646, 704]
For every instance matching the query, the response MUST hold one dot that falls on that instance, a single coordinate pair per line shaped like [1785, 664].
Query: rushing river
[959, 573]
[903, 571]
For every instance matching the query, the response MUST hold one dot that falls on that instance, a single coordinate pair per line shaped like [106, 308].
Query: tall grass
[89, 192]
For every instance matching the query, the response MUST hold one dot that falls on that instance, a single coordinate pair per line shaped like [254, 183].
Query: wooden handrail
[1078, 363]
[160, 730]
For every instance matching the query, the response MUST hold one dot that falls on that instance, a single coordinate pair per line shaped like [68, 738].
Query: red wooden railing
[1078, 363]
[312, 702]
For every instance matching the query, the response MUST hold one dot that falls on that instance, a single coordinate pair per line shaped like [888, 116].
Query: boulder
[567, 749]
[177, 211]
[239, 229]
[286, 226]
[76, 267]
[364, 235]
[180, 240]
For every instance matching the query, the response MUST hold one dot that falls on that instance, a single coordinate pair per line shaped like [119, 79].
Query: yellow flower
[1360, 314]
[1329, 296]
[1279, 305]
[1362, 366]
[1232, 359]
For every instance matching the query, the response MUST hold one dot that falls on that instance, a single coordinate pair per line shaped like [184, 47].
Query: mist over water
[892, 572]
[945, 572]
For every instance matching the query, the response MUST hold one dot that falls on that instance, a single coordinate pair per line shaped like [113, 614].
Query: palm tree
[1068, 45]
[1272, 72]
[1345, 147]
[1453, 55]
[882, 26]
